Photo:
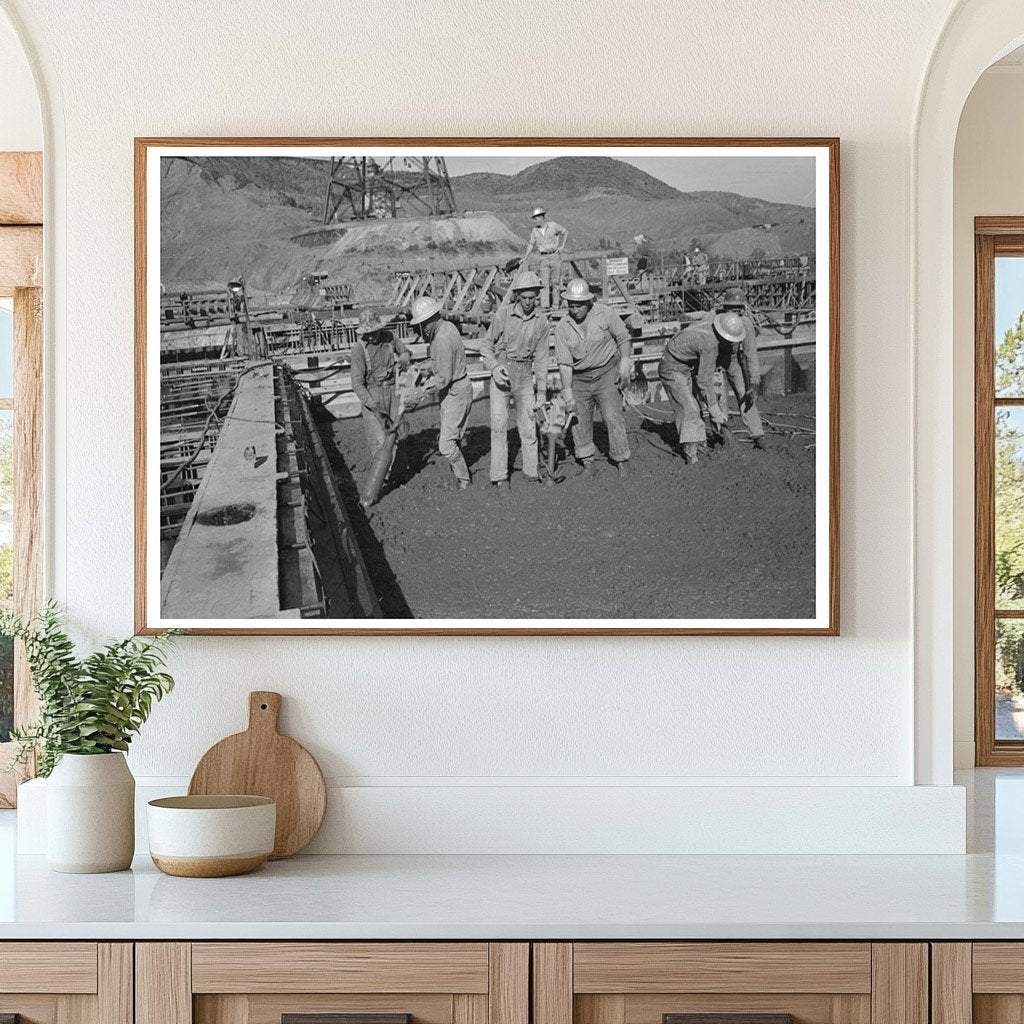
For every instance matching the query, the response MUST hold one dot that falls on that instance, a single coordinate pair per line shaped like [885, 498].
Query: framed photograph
[494, 386]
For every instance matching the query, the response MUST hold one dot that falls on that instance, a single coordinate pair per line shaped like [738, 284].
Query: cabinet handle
[727, 1018]
[337, 1018]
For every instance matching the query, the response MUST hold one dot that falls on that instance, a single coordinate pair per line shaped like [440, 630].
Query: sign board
[617, 266]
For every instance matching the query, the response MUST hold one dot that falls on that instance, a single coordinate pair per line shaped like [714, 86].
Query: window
[999, 491]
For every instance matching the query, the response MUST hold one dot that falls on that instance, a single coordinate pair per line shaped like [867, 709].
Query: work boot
[758, 443]
[589, 467]
[623, 468]
[462, 485]
[531, 479]
[501, 486]
[690, 453]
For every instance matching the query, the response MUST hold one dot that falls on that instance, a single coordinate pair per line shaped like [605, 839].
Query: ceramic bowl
[211, 836]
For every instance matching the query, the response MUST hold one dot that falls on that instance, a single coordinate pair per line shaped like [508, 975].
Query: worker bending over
[375, 356]
[687, 371]
[742, 367]
[448, 377]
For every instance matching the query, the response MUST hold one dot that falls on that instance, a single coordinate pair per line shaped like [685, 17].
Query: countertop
[517, 897]
[979, 895]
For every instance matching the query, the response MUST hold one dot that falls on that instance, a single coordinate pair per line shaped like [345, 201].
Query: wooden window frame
[21, 278]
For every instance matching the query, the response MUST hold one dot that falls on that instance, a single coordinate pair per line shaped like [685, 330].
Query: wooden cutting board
[262, 762]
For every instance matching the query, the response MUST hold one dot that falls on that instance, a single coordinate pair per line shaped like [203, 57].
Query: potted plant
[89, 709]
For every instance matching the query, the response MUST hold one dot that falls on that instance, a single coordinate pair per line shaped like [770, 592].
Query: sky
[779, 179]
[1009, 293]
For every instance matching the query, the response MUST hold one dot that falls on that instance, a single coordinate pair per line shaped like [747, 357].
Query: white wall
[21, 126]
[455, 712]
[988, 182]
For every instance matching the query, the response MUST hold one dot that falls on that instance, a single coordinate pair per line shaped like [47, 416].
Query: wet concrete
[731, 537]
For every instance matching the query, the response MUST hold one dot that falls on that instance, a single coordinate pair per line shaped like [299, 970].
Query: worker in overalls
[448, 377]
[515, 350]
[595, 359]
[547, 240]
[741, 368]
[687, 372]
[376, 357]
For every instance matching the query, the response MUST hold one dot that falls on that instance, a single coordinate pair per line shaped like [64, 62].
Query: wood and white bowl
[211, 836]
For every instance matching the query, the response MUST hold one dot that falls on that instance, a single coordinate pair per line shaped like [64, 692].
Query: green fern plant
[90, 705]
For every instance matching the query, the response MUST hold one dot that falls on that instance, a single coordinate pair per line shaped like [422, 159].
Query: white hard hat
[538, 211]
[424, 308]
[730, 327]
[577, 290]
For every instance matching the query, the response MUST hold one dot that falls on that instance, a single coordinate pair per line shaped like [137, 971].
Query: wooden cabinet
[305, 982]
[758, 982]
[978, 983]
[66, 982]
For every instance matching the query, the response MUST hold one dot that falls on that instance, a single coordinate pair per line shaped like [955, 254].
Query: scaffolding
[363, 188]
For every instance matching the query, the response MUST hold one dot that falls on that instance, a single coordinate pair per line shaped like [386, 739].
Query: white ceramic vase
[90, 814]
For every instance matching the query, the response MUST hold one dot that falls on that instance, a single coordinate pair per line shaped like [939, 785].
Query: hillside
[258, 218]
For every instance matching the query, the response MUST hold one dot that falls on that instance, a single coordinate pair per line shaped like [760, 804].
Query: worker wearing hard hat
[375, 356]
[701, 265]
[448, 377]
[687, 372]
[742, 370]
[595, 358]
[547, 240]
[515, 350]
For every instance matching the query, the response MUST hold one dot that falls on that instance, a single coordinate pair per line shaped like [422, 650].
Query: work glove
[625, 370]
[540, 399]
[718, 418]
[570, 400]
[747, 401]
[501, 377]
[372, 406]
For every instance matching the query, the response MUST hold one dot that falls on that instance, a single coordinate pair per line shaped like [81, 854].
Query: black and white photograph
[459, 387]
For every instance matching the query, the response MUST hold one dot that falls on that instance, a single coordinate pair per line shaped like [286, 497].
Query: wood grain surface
[262, 762]
[633, 967]
[21, 188]
[305, 967]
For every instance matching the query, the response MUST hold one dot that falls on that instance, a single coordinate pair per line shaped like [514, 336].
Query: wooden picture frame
[148, 284]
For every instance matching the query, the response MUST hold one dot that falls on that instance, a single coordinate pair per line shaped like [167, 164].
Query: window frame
[993, 237]
[21, 256]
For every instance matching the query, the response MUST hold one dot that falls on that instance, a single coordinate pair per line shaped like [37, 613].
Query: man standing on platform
[547, 239]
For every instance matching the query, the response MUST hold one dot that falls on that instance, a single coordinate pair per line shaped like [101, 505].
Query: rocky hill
[260, 218]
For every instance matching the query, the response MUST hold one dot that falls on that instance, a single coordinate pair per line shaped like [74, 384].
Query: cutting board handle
[264, 710]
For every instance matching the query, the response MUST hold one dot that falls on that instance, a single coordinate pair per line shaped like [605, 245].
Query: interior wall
[463, 712]
[21, 126]
[987, 182]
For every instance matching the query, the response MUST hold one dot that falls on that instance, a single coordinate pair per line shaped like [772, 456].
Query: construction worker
[595, 359]
[701, 265]
[687, 372]
[742, 368]
[515, 350]
[375, 356]
[448, 377]
[547, 239]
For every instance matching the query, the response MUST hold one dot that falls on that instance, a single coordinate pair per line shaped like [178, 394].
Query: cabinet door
[980, 982]
[730, 983]
[332, 983]
[65, 983]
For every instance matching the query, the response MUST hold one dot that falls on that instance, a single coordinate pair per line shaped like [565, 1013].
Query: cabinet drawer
[332, 983]
[66, 982]
[340, 967]
[65, 967]
[635, 967]
[730, 983]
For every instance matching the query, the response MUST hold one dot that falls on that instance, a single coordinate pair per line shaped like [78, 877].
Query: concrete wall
[987, 177]
[411, 726]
